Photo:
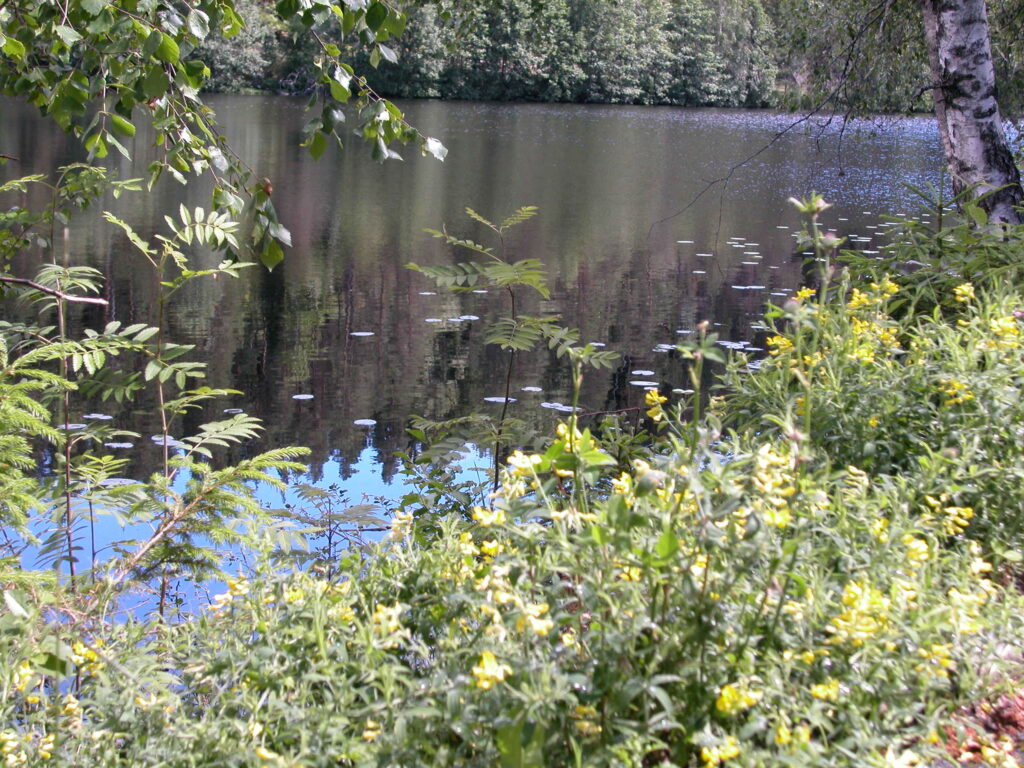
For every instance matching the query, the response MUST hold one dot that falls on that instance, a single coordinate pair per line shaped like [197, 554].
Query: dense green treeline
[687, 52]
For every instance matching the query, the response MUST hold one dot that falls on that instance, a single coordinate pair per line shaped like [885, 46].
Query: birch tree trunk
[964, 91]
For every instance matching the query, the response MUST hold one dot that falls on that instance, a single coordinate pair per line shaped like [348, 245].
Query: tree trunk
[964, 90]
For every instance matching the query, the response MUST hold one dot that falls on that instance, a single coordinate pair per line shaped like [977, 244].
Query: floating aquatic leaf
[641, 372]
[97, 416]
[113, 482]
[644, 383]
[499, 399]
[119, 445]
[233, 410]
[302, 397]
[699, 272]
[480, 290]
[468, 317]
[433, 320]
[72, 427]
[428, 293]
[361, 333]
[685, 242]
[365, 422]
[532, 389]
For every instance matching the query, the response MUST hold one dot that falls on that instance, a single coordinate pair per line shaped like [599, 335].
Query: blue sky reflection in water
[631, 262]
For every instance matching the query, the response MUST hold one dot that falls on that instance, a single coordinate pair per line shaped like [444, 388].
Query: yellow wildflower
[733, 698]
[371, 730]
[45, 747]
[936, 660]
[488, 517]
[727, 750]
[880, 529]
[489, 671]
[917, 550]
[387, 618]
[779, 345]
[805, 293]
[864, 616]
[267, 754]
[964, 292]
[492, 547]
[23, 675]
[654, 399]
[238, 587]
[523, 465]
[532, 614]
[400, 526]
[827, 691]
[905, 759]
[783, 735]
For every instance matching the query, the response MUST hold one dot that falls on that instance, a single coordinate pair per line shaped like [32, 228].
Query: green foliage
[95, 67]
[818, 585]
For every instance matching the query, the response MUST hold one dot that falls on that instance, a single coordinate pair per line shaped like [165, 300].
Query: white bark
[964, 91]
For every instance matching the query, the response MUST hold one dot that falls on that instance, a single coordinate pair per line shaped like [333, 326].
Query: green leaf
[167, 50]
[93, 7]
[339, 92]
[317, 145]
[67, 34]
[156, 84]
[198, 23]
[376, 15]
[272, 254]
[14, 48]
[122, 126]
[434, 147]
[667, 546]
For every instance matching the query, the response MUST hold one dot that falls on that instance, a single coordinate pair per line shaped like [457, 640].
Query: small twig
[52, 291]
[8, 157]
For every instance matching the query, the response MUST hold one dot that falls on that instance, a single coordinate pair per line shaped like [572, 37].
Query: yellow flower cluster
[728, 749]
[387, 621]
[13, 749]
[956, 392]
[864, 616]
[1006, 334]
[779, 345]
[736, 697]
[522, 465]
[654, 400]
[964, 292]
[585, 720]
[954, 520]
[400, 526]
[773, 477]
[371, 730]
[531, 617]
[918, 552]
[827, 691]
[936, 660]
[490, 671]
[488, 517]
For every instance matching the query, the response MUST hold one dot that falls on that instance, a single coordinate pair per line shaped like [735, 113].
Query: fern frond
[528, 272]
[459, 277]
[521, 214]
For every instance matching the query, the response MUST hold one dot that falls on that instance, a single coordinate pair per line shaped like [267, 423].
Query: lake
[639, 244]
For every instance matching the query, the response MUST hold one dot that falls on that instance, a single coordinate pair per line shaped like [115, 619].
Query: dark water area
[639, 243]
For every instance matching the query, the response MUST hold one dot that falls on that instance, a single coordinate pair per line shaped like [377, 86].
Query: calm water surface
[639, 250]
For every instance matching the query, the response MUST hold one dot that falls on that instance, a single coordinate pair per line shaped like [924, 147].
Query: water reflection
[341, 344]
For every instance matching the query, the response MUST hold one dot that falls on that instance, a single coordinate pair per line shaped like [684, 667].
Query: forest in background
[723, 53]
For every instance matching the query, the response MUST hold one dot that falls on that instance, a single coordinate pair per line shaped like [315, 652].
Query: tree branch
[52, 291]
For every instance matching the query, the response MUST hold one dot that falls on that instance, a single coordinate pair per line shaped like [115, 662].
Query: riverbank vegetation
[684, 52]
[812, 558]
[819, 565]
